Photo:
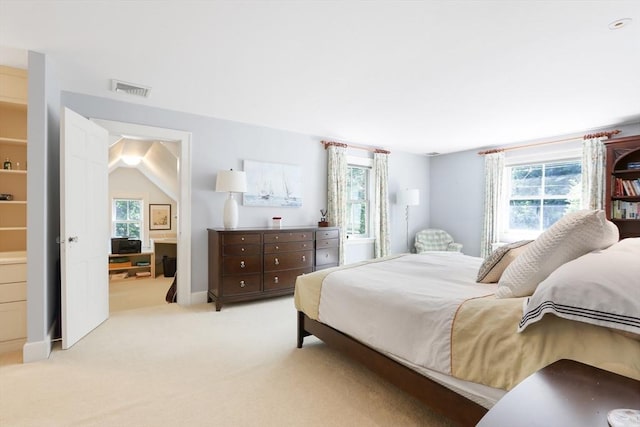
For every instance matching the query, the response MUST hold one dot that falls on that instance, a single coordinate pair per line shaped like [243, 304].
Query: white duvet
[405, 306]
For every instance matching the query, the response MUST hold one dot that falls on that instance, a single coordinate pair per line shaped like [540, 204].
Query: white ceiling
[418, 76]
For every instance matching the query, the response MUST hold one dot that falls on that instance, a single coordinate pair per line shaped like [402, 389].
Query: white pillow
[601, 288]
[573, 235]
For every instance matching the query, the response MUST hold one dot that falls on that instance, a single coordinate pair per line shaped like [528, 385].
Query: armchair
[435, 240]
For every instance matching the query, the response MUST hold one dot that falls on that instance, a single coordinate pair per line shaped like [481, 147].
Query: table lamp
[232, 182]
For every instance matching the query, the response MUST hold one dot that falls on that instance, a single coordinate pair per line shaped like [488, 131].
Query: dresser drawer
[327, 243]
[11, 292]
[283, 279]
[327, 256]
[283, 236]
[327, 234]
[289, 260]
[10, 273]
[241, 238]
[241, 250]
[242, 264]
[287, 247]
[240, 284]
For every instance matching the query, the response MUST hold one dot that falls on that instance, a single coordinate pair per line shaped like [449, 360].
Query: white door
[84, 226]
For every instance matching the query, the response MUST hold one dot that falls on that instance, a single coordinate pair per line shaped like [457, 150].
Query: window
[537, 195]
[359, 171]
[126, 217]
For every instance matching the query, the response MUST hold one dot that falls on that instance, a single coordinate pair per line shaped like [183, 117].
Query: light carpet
[167, 365]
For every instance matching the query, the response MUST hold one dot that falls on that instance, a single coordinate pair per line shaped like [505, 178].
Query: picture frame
[159, 217]
[272, 184]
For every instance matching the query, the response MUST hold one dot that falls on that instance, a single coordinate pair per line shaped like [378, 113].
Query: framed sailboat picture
[272, 184]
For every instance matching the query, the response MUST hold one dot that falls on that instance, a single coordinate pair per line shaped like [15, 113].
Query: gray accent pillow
[495, 264]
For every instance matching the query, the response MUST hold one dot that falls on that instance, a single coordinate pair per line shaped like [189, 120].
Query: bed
[425, 323]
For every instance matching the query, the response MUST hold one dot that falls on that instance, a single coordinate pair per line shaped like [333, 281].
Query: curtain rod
[608, 134]
[359, 147]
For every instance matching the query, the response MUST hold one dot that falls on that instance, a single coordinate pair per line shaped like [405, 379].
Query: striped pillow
[495, 264]
[600, 288]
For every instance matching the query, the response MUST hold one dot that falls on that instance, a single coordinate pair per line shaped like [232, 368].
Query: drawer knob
[304, 258]
[304, 245]
[277, 247]
[276, 261]
[275, 279]
[242, 264]
[242, 238]
[304, 236]
[242, 250]
[242, 284]
[277, 237]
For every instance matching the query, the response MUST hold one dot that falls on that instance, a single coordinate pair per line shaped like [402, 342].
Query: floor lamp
[406, 198]
[232, 182]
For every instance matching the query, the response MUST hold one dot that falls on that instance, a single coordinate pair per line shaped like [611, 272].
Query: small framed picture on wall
[159, 217]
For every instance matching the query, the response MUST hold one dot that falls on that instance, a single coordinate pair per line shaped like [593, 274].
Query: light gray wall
[222, 144]
[408, 171]
[43, 291]
[456, 202]
[457, 192]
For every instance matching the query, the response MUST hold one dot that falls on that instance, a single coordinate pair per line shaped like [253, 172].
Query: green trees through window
[127, 218]
[358, 201]
[540, 194]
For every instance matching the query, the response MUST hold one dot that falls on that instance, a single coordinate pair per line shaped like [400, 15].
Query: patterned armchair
[435, 240]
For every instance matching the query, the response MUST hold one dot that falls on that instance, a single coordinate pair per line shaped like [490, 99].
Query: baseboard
[38, 350]
[199, 297]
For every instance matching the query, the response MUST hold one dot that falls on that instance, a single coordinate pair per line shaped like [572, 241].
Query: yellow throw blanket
[485, 347]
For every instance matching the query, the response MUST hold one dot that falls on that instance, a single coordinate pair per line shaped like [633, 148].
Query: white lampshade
[231, 181]
[409, 197]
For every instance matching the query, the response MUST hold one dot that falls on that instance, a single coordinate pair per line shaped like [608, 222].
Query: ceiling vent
[130, 88]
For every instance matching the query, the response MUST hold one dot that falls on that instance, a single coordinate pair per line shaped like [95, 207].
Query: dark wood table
[565, 393]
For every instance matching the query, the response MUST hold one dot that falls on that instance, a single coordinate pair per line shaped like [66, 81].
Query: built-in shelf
[14, 171]
[148, 257]
[13, 141]
[12, 228]
[13, 202]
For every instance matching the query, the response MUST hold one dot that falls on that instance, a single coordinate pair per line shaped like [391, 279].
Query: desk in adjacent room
[164, 247]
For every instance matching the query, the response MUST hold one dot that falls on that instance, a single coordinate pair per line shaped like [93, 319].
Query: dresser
[254, 263]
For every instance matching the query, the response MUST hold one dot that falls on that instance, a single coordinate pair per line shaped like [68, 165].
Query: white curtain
[337, 191]
[493, 172]
[593, 171]
[382, 240]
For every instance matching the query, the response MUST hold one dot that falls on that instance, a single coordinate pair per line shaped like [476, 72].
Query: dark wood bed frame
[457, 408]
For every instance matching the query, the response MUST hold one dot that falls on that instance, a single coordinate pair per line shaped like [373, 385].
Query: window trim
[507, 235]
[364, 162]
[142, 220]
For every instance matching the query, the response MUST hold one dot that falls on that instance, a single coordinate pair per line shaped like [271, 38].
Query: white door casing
[83, 226]
[184, 195]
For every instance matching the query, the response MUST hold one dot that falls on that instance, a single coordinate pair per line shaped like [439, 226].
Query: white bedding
[362, 302]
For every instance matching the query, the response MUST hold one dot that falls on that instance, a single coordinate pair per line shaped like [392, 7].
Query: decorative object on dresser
[255, 263]
[323, 219]
[232, 182]
[622, 187]
[406, 198]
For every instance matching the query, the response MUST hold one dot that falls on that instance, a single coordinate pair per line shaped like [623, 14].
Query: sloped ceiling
[158, 161]
[420, 76]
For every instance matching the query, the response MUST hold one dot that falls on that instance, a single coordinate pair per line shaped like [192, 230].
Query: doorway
[181, 141]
